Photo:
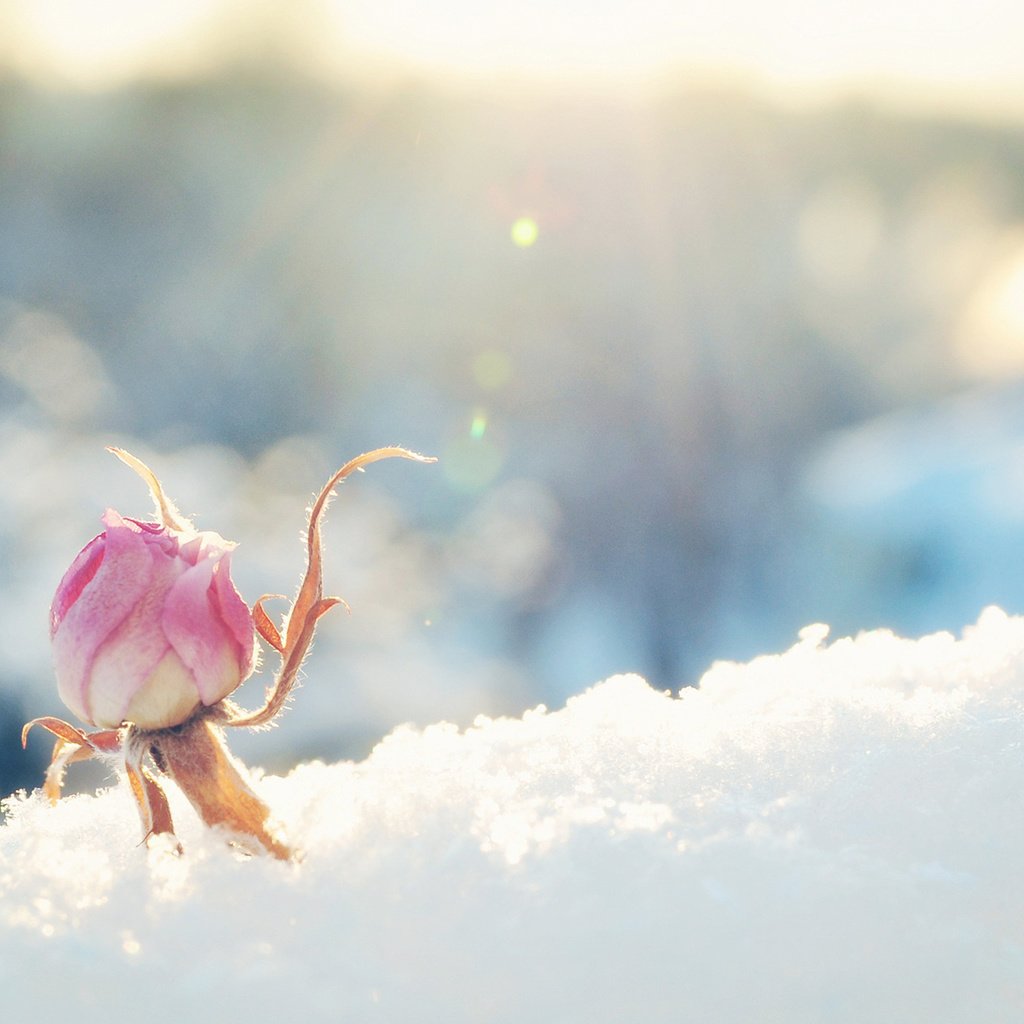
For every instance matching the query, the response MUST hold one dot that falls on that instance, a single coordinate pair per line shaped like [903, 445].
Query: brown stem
[216, 785]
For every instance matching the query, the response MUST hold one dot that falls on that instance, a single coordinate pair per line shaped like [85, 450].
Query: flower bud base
[217, 785]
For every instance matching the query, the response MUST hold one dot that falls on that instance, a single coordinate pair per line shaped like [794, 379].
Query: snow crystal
[830, 834]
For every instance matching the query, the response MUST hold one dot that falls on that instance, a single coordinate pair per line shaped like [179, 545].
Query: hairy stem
[217, 785]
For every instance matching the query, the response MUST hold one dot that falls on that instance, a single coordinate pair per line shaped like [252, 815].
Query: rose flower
[150, 638]
[147, 626]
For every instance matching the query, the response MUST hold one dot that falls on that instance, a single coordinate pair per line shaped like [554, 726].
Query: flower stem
[216, 784]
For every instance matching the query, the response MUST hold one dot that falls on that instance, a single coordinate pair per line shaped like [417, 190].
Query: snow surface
[833, 834]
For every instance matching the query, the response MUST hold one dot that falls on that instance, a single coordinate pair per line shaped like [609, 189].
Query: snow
[831, 834]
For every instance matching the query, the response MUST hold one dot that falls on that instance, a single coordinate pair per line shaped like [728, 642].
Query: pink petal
[201, 639]
[103, 603]
[131, 652]
[205, 544]
[79, 573]
[235, 613]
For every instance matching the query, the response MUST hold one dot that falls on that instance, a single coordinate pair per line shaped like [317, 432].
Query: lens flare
[524, 232]
[474, 458]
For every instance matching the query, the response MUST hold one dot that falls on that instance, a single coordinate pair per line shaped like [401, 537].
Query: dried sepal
[293, 640]
[167, 511]
[150, 799]
[106, 741]
[264, 626]
[72, 745]
[64, 753]
[311, 589]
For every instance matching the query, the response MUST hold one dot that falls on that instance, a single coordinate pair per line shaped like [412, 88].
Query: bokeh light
[525, 232]
[478, 427]
[990, 340]
[840, 230]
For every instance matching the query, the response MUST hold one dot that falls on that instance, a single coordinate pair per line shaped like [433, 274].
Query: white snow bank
[835, 834]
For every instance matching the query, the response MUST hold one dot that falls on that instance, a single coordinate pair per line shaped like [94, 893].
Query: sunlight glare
[106, 40]
[795, 46]
[524, 232]
[530, 36]
[990, 341]
[794, 43]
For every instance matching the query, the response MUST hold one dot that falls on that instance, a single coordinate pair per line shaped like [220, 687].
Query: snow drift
[831, 834]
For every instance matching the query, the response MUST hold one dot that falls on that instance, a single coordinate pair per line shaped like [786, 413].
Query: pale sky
[966, 49]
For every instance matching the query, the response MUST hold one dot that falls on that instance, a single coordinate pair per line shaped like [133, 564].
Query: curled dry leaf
[293, 640]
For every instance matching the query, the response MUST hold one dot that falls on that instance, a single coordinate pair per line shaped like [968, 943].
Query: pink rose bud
[147, 626]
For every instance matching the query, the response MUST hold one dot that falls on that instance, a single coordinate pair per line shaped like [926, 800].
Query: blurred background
[715, 320]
